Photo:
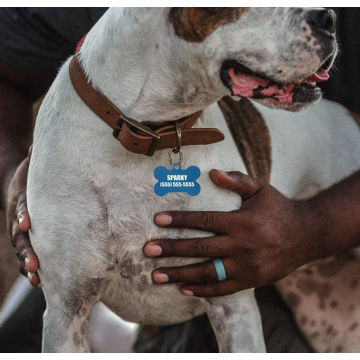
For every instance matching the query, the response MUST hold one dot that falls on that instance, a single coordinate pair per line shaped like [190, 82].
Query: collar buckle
[137, 125]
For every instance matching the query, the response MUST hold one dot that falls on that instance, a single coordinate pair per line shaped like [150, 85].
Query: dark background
[344, 84]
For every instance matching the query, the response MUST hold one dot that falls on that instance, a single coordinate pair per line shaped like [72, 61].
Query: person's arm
[18, 92]
[268, 238]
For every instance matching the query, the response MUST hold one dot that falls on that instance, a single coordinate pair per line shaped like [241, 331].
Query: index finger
[214, 221]
[199, 248]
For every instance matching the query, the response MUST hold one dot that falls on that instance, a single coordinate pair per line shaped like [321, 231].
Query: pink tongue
[320, 75]
[245, 85]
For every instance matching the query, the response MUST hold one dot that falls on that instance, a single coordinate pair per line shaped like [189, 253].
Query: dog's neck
[133, 61]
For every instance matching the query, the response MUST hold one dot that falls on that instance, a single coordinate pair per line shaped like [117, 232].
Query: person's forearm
[15, 133]
[338, 210]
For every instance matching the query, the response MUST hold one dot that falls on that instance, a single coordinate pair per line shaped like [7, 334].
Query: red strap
[80, 43]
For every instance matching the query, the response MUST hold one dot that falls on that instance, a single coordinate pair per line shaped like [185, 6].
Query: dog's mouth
[244, 82]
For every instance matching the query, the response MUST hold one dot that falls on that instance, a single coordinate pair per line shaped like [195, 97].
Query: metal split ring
[177, 149]
[178, 163]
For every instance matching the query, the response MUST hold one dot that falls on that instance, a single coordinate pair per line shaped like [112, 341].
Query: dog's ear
[196, 24]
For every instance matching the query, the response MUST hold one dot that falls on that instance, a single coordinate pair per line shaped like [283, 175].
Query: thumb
[244, 185]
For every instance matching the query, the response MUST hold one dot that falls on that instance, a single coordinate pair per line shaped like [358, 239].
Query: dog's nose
[323, 21]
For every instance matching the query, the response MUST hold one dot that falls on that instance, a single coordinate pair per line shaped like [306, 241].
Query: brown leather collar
[139, 138]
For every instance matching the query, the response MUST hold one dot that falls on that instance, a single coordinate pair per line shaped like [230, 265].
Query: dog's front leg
[236, 322]
[66, 324]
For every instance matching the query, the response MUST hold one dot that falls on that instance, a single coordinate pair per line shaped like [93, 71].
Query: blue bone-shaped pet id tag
[177, 180]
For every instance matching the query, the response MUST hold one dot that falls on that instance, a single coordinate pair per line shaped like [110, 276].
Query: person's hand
[269, 237]
[18, 223]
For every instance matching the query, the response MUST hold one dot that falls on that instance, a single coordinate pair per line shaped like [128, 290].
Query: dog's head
[272, 55]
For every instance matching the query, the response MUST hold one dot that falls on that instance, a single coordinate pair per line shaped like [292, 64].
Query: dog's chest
[132, 204]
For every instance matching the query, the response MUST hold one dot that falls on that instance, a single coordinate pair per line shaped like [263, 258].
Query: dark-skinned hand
[18, 223]
[259, 244]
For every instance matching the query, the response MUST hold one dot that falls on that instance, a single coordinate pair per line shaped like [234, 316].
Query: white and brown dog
[92, 202]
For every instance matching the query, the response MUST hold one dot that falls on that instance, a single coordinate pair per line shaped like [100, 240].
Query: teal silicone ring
[220, 269]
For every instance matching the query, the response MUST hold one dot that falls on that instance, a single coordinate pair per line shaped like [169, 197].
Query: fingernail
[187, 292]
[20, 219]
[160, 278]
[27, 262]
[152, 250]
[163, 219]
[222, 172]
[30, 276]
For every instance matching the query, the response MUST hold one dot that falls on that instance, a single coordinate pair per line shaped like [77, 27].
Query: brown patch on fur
[250, 135]
[76, 339]
[331, 268]
[196, 24]
[353, 326]
[309, 287]
[293, 299]
[307, 271]
[339, 348]
[330, 330]
[303, 320]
